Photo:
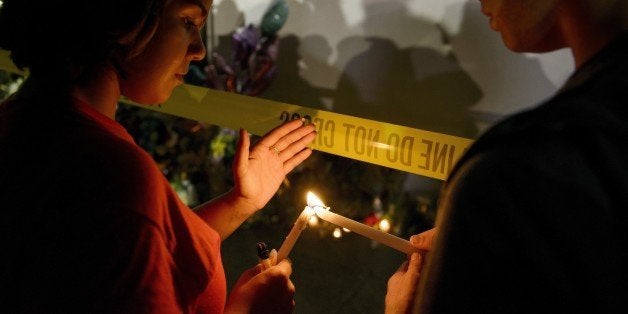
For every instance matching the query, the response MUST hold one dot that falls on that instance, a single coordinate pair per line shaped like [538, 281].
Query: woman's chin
[149, 100]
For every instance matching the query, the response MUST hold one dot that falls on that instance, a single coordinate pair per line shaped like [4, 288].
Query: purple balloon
[244, 42]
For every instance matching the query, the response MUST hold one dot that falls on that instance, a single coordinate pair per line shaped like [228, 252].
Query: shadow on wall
[227, 13]
[383, 84]
[509, 81]
[417, 87]
[423, 87]
[288, 85]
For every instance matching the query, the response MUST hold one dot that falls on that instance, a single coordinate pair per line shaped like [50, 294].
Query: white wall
[346, 45]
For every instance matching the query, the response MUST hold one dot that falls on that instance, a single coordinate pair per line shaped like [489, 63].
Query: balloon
[244, 42]
[274, 18]
[254, 54]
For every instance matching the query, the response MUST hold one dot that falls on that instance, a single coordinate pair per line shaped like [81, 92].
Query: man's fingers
[403, 267]
[424, 240]
[414, 265]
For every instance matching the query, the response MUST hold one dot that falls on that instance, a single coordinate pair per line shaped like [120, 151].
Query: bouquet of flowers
[254, 54]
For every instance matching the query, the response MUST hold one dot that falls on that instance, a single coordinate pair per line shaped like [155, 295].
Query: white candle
[292, 237]
[385, 238]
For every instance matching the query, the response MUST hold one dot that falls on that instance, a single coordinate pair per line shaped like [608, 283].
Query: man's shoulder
[579, 111]
[563, 125]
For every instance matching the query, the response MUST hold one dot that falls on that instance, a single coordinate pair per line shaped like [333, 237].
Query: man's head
[525, 25]
[545, 25]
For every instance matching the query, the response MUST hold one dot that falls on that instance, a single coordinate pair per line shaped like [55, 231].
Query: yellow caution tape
[412, 150]
[416, 151]
[7, 64]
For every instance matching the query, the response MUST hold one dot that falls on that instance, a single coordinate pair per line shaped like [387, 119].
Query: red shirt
[93, 224]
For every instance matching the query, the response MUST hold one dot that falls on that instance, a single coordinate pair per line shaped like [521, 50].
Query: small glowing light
[383, 146]
[346, 230]
[337, 233]
[313, 200]
[313, 221]
[384, 225]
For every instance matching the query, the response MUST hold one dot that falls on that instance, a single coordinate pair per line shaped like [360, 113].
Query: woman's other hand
[268, 291]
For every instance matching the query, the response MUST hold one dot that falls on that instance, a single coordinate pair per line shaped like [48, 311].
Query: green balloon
[274, 18]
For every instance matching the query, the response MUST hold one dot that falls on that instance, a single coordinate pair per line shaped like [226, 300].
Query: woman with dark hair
[89, 223]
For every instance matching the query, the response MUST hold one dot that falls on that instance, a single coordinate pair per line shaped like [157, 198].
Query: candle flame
[313, 200]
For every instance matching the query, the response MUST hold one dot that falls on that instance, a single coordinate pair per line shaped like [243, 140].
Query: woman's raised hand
[259, 169]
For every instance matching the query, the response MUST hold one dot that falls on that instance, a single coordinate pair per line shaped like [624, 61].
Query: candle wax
[294, 234]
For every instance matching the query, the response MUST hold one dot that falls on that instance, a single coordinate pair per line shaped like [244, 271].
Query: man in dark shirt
[533, 218]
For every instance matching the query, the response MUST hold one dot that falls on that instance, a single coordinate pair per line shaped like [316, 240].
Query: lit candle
[292, 237]
[359, 228]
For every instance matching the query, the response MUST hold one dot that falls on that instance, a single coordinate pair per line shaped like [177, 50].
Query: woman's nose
[196, 50]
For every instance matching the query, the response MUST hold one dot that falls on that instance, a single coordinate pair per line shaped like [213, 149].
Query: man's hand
[424, 240]
[402, 286]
